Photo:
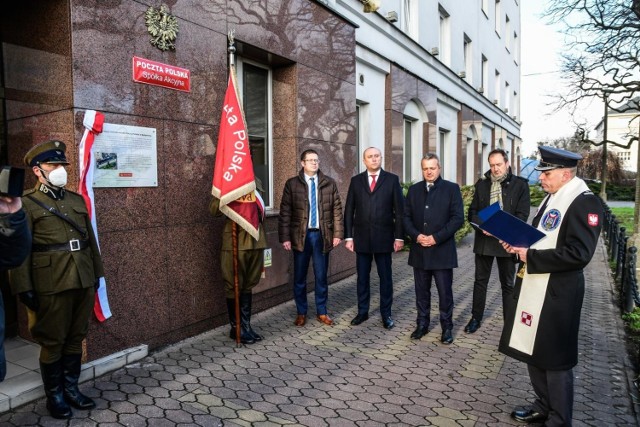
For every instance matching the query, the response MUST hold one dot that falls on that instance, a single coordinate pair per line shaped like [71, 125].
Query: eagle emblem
[162, 26]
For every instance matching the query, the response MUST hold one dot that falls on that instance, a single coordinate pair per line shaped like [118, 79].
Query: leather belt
[313, 229]
[71, 246]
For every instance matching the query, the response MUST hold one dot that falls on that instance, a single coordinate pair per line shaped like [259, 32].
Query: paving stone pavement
[360, 375]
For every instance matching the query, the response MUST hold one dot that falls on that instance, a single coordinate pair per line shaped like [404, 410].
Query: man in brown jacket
[310, 223]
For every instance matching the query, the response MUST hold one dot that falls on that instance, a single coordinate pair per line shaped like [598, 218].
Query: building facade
[414, 76]
[621, 128]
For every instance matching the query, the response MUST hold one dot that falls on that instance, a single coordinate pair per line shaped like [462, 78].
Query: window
[516, 105]
[625, 156]
[467, 58]
[444, 36]
[254, 81]
[507, 32]
[442, 147]
[410, 18]
[485, 7]
[496, 88]
[516, 48]
[498, 17]
[507, 94]
[407, 159]
[484, 77]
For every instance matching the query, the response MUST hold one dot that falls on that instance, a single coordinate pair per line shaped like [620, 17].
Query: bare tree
[601, 60]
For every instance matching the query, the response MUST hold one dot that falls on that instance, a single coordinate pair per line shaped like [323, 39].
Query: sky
[540, 56]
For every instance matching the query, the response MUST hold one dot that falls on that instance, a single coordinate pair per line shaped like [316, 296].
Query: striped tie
[314, 215]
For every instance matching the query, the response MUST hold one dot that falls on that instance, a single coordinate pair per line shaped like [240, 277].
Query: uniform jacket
[15, 239]
[245, 241]
[515, 200]
[53, 272]
[438, 212]
[374, 219]
[556, 343]
[294, 211]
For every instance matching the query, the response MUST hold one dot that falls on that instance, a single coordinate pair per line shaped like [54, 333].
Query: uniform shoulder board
[72, 192]
[29, 191]
[588, 193]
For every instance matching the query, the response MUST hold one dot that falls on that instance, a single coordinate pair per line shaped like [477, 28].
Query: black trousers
[555, 395]
[444, 281]
[506, 274]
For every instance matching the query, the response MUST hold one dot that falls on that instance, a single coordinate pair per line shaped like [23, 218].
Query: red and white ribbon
[93, 122]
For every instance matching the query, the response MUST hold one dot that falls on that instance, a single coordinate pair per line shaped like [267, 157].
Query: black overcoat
[439, 212]
[556, 343]
[515, 200]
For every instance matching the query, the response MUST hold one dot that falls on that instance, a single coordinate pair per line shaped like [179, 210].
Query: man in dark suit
[373, 229]
[433, 213]
[543, 319]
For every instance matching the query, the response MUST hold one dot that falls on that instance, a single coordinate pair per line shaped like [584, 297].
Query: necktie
[314, 215]
[429, 187]
[373, 182]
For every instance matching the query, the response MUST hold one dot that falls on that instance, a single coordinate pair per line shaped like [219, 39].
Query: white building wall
[412, 52]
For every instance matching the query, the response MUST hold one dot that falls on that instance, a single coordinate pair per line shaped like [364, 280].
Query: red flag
[233, 178]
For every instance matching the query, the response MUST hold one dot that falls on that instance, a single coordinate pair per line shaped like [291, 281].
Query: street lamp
[605, 124]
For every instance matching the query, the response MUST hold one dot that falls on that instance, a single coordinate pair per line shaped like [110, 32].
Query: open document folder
[507, 227]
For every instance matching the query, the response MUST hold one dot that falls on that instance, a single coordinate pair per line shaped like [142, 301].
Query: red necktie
[373, 182]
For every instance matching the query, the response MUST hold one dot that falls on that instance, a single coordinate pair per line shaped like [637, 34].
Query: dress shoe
[301, 319]
[388, 323]
[528, 416]
[359, 319]
[420, 331]
[472, 326]
[447, 337]
[325, 319]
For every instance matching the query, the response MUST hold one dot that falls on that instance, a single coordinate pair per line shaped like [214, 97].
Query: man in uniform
[543, 319]
[498, 185]
[56, 282]
[250, 266]
[310, 223]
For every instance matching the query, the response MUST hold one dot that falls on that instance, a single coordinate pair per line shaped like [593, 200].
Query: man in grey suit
[373, 229]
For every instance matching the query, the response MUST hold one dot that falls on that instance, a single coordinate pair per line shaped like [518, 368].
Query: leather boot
[52, 380]
[71, 364]
[245, 337]
[245, 315]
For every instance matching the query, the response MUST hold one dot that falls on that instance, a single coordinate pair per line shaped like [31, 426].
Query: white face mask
[58, 177]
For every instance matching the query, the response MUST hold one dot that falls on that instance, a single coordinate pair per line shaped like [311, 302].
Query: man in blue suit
[373, 229]
[433, 213]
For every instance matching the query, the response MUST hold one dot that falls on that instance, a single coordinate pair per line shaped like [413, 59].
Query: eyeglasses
[312, 160]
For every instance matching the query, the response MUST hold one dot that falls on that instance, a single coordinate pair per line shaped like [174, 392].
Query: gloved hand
[30, 299]
[96, 285]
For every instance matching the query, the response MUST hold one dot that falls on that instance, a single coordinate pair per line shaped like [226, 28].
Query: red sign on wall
[159, 74]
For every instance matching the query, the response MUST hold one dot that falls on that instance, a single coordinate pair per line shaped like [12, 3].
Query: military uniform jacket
[294, 211]
[245, 241]
[515, 200]
[52, 272]
[556, 342]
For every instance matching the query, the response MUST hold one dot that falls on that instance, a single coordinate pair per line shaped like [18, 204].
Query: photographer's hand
[10, 204]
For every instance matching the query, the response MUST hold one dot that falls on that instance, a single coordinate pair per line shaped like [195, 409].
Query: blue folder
[507, 227]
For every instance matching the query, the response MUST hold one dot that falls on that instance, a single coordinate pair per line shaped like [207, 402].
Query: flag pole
[234, 233]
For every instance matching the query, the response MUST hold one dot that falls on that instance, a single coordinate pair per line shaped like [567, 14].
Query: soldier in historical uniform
[56, 282]
[250, 266]
[543, 318]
